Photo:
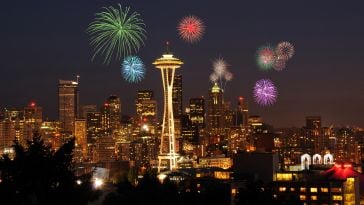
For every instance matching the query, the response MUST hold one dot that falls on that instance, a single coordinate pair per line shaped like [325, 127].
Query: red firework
[191, 29]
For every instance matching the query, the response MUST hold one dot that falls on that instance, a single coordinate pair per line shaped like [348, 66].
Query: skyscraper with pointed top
[215, 110]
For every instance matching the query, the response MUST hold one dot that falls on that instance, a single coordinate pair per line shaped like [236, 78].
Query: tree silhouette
[38, 175]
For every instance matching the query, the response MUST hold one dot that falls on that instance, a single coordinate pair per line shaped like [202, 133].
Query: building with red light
[338, 185]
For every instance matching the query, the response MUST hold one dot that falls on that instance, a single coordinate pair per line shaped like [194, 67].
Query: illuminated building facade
[13, 128]
[51, 133]
[81, 138]
[197, 111]
[337, 185]
[241, 114]
[238, 140]
[346, 145]
[111, 114]
[105, 149]
[146, 107]
[215, 110]
[94, 126]
[68, 98]
[177, 97]
[167, 65]
[190, 135]
[33, 117]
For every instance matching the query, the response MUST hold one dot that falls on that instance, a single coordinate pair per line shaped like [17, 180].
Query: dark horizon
[42, 43]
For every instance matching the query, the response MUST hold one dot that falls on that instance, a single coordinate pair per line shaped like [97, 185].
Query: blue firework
[133, 69]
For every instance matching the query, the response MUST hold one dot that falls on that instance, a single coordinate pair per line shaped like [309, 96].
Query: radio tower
[167, 154]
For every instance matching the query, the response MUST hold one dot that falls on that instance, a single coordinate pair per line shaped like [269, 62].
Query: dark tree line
[37, 175]
[150, 190]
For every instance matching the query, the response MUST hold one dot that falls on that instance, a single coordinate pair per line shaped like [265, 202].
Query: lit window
[313, 189]
[303, 189]
[350, 179]
[292, 189]
[302, 197]
[335, 189]
[313, 198]
[337, 197]
[324, 189]
[281, 189]
[284, 176]
[233, 191]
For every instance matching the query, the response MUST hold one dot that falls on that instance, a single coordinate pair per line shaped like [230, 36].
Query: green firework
[116, 33]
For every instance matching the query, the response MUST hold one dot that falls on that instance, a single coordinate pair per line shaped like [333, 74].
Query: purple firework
[265, 92]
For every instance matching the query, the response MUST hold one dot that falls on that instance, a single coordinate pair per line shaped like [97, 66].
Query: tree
[38, 175]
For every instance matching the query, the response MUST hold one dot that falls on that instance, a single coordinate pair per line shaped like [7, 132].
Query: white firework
[220, 66]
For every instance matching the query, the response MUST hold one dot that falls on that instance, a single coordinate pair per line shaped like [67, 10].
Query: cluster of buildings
[213, 138]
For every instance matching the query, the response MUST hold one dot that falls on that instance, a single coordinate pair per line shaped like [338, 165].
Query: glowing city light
[98, 183]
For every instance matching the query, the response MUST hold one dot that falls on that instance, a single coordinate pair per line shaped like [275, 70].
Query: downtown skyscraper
[215, 110]
[177, 97]
[111, 113]
[68, 99]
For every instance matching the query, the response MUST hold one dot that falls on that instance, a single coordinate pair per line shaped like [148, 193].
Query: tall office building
[111, 113]
[14, 126]
[313, 132]
[228, 115]
[81, 139]
[68, 98]
[215, 110]
[177, 98]
[33, 114]
[197, 111]
[33, 120]
[241, 114]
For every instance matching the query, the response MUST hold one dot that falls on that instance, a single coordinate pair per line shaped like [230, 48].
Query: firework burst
[116, 33]
[228, 76]
[220, 66]
[265, 92]
[266, 57]
[133, 69]
[220, 74]
[214, 77]
[279, 64]
[285, 50]
[191, 29]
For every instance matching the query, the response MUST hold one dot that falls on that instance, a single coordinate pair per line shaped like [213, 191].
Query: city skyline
[323, 78]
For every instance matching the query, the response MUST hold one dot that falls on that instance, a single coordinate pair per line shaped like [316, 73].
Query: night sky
[42, 41]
